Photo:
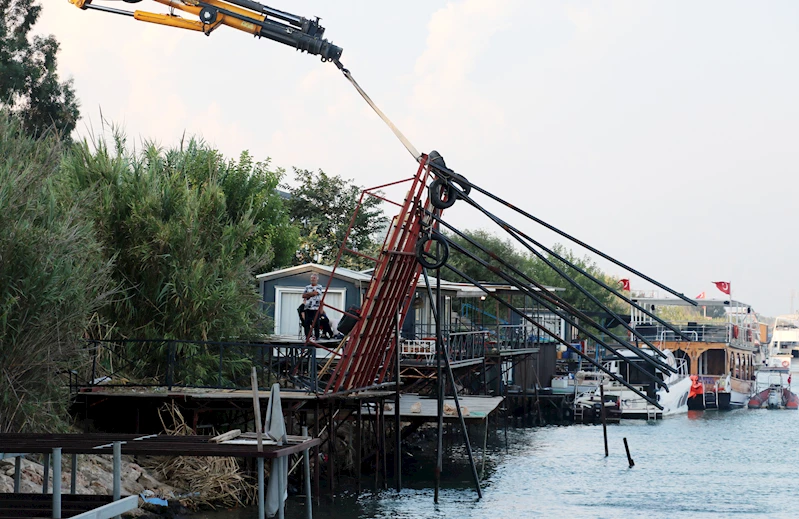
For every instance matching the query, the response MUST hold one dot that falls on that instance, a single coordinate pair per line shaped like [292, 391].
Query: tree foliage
[53, 277]
[321, 206]
[185, 256]
[29, 82]
[532, 266]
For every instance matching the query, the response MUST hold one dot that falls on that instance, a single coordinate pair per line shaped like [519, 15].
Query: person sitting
[324, 325]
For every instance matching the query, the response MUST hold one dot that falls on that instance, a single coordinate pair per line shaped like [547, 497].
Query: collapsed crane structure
[416, 243]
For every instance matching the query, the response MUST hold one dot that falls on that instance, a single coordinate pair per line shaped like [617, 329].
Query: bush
[185, 256]
[53, 277]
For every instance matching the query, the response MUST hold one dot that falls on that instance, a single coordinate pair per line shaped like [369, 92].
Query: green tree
[504, 249]
[322, 206]
[510, 251]
[545, 275]
[29, 83]
[53, 277]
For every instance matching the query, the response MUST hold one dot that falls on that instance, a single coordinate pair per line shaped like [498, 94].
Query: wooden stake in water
[629, 458]
[604, 421]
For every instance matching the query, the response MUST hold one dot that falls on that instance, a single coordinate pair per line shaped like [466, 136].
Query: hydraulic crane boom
[245, 15]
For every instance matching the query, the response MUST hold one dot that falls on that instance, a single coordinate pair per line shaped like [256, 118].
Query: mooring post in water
[604, 421]
[17, 473]
[261, 505]
[629, 458]
[306, 460]
[56, 482]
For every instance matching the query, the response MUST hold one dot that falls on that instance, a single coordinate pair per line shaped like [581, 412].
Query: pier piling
[629, 458]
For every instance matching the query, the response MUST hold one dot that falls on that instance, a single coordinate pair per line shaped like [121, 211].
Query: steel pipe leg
[117, 471]
[261, 505]
[56, 482]
[17, 473]
[46, 473]
[306, 460]
[73, 479]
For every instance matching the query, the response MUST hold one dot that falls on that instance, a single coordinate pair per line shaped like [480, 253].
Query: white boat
[628, 404]
[577, 383]
[784, 344]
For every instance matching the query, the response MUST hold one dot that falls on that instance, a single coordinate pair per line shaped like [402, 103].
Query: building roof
[365, 276]
[341, 272]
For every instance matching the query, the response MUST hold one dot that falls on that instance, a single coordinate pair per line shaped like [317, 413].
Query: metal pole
[261, 505]
[56, 482]
[17, 473]
[306, 460]
[358, 445]
[485, 445]
[46, 473]
[439, 384]
[602, 411]
[73, 479]
[117, 472]
[397, 415]
[463, 427]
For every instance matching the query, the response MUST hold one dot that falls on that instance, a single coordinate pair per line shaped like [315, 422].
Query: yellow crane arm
[244, 15]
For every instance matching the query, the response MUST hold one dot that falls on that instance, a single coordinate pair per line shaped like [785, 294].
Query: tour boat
[625, 401]
[721, 353]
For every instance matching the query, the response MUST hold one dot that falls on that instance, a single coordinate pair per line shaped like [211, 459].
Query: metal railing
[699, 332]
[196, 364]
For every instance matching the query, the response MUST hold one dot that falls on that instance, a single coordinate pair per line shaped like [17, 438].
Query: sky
[663, 133]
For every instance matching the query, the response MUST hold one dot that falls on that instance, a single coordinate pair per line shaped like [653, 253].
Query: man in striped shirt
[313, 297]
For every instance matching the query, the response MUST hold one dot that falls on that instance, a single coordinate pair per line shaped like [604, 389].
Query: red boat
[777, 393]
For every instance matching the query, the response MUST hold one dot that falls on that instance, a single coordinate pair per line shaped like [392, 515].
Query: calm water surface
[742, 463]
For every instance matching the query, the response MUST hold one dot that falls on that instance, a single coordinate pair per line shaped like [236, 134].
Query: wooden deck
[479, 407]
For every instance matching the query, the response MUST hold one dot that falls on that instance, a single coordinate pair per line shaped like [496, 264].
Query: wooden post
[256, 405]
[629, 458]
[602, 412]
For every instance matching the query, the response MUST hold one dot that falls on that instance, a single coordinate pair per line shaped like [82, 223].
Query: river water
[741, 463]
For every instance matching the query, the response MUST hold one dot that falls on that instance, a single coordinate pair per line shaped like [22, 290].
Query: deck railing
[196, 364]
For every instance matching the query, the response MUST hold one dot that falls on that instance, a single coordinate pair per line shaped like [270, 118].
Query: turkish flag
[723, 286]
[701, 296]
[625, 284]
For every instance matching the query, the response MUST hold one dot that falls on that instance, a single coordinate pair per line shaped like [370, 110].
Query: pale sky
[664, 133]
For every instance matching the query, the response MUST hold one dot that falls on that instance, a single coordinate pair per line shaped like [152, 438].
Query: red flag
[700, 296]
[625, 284]
[723, 286]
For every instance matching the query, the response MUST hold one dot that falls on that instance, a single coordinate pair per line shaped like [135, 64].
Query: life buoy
[785, 364]
[735, 331]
